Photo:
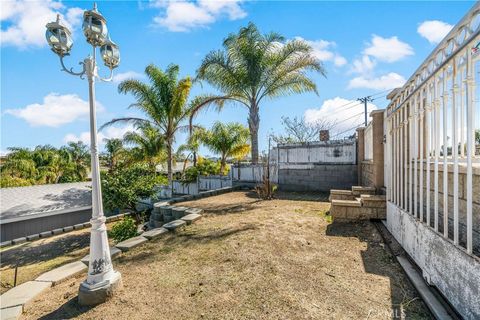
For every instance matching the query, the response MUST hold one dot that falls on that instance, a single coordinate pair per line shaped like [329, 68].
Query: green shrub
[123, 229]
[205, 167]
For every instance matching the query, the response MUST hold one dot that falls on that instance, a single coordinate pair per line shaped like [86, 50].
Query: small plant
[266, 190]
[124, 229]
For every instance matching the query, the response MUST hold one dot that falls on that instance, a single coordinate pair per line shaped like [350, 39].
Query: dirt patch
[252, 259]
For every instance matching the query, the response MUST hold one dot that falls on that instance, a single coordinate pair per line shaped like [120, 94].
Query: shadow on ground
[32, 253]
[69, 310]
[404, 298]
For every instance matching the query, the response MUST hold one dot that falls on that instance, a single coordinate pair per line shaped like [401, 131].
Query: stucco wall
[454, 272]
[367, 174]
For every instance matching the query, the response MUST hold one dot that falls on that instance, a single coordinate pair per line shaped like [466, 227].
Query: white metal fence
[214, 182]
[432, 121]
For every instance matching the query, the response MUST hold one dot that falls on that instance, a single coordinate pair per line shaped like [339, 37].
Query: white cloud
[343, 113]
[119, 77]
[388, 49]
[25, 21]
[324, 51]
[114, 132]
[56, 110]
[385, 82]
[434, 30]
[183, 16]
[365, 65]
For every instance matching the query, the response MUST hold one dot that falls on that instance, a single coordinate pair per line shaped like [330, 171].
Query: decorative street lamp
[102, 280]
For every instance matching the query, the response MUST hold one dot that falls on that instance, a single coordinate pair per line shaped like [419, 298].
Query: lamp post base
[92, 295]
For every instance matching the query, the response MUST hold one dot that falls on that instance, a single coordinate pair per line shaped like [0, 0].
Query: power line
[336, 135]
[365, 101]
[349, 118]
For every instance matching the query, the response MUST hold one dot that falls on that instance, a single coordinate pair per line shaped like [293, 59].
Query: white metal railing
[368, 142]
[431, 151]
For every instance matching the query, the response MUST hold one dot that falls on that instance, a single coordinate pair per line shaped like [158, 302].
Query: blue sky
[366, 47]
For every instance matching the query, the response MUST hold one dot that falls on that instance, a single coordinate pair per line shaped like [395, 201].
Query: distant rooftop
[24, 201]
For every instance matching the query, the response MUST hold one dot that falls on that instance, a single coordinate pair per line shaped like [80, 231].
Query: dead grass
[251, 259]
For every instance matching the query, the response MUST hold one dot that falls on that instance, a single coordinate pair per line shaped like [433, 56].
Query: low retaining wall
[317, 177]
[454, 272]
[28, 225]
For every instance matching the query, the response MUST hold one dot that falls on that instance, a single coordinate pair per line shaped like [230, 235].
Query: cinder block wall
[319, 177]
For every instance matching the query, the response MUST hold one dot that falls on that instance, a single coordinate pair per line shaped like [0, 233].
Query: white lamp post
[102, 280]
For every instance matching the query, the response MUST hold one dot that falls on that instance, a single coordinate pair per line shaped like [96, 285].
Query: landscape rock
[192, 217]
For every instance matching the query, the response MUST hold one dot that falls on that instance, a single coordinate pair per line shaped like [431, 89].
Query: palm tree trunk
[169, 162]
[254, 124]
[222, 164]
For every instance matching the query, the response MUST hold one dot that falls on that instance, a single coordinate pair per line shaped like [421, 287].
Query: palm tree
[78, 154]
[255, 66]
[19, 164]
[149, 144]
[164, 102]
[115, 150]
[228, 140]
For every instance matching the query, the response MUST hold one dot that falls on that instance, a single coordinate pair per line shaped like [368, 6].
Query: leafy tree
[164, 102]
[149, 144]
[191, 147]
[297, 130]
[254, 66]
[204, 167]
[228, 140]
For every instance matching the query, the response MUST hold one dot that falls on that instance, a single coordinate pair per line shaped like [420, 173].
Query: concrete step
[192, 217]
[11, 313]
[154, 233]
[23, 294]
[346, 203]
[174, 224]
[62, 273]
[131, 243]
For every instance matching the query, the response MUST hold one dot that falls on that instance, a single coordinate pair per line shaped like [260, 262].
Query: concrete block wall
[318, 177]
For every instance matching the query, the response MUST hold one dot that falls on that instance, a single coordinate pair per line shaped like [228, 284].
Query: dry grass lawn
[252, 259]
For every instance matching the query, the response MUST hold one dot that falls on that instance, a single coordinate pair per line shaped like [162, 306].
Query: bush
[124, 186]
[124, 229]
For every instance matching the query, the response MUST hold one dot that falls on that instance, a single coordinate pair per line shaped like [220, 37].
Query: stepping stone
[78, 226]
[192, 217]
[5, 244]
[194, 210]
[178, 212]
[12, 313]
[114, 253]
[23, 294]
[174, 224]
[158, 205]
[131, 243]
[67, 229]
[154, 233]
[62, 273]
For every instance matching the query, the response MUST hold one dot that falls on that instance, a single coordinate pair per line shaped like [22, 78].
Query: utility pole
[365, 100]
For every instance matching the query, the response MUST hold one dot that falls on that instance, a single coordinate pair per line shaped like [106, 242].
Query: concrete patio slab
[23, 294]
[192, 217]
[174, 224]
[154, 233]
[62, 273]
[131, 243]
[114, 253]
[12, 313]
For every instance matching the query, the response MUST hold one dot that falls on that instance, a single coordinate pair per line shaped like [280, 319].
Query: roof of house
[24, 201]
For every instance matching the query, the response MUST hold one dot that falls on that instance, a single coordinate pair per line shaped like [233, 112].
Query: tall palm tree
[19, 164]
[229, 140]
[254, 66]
[164, 102]
[149, 144]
